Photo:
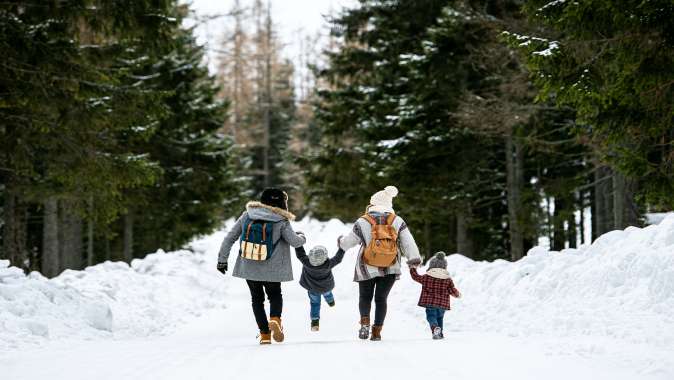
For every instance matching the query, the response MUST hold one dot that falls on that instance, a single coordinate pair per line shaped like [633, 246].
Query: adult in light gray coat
[375, 282]
[265, 276]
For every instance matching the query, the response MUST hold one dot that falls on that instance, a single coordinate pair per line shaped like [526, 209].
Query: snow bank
[112, 299]
[614, 297]
[621, 286]
[616, 294]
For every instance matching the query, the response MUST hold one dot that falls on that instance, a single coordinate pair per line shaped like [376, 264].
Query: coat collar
[284, 213]
[439, 273]
[381, 209]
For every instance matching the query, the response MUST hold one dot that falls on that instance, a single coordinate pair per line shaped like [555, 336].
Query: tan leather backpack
[382, 250]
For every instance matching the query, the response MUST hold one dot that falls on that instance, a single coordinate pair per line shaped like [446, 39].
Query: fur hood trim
[284, 213]
[439, 273]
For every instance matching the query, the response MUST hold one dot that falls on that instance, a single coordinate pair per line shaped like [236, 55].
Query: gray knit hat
[318, 255]
[438, 261]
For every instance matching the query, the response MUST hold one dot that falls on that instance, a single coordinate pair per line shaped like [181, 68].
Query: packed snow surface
[600, 311]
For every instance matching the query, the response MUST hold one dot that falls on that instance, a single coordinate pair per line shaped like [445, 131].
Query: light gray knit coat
[361, 235]
[278, 268]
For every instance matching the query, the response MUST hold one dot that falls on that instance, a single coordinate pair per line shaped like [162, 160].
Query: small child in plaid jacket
[436, 289]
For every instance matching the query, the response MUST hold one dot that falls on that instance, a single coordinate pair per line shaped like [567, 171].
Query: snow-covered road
[602, 312]
[221, 345]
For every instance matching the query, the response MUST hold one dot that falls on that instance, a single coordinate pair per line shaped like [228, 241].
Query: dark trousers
[379, 288]
[257, 291]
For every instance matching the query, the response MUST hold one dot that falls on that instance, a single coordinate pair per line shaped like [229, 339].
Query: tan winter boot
[376, 333]
[265, 338]
[364, 331]
[276, 329]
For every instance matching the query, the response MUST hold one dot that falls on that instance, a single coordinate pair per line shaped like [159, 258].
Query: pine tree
[65, 101]
[613, 62]
[197, 185]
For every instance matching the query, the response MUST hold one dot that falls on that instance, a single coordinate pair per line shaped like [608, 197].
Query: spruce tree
[613, 62]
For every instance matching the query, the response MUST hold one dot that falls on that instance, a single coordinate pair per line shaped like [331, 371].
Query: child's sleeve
[415, 275]
[302, 255]
[453, 290]
[337, 258]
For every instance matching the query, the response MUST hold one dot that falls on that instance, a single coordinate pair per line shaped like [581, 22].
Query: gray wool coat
[276, 269]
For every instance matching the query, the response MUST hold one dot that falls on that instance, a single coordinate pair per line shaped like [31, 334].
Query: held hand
[414, 263]
[339, 241]
[222, 268]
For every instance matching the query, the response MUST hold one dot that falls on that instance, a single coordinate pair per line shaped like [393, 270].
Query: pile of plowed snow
[619, 288]
[112, 299]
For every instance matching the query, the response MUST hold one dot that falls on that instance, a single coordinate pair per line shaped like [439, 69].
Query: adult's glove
[222, 268]
[414, 263]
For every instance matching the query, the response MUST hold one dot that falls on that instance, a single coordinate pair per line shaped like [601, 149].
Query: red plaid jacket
[435, 292]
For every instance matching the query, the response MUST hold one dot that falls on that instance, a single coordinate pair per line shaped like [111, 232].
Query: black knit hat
[275, 197]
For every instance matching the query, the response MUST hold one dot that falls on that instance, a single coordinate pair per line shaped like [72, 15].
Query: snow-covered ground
[602, 311]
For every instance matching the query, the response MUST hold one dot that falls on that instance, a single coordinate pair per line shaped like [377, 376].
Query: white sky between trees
[291, 17]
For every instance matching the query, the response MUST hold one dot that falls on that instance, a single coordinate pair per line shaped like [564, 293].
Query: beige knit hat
[382, 201]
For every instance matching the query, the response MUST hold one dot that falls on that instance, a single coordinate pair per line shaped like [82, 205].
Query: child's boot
[331, 303]
[276, 329]
[437, 333]
[364, 331]
[314, 325]
[376, 333]
[265, 338]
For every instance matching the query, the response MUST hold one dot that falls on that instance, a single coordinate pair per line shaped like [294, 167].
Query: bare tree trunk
[572, 233]
[236, 94]
[603, 201]
[464, 243]
[559, 236]
[90, 234]
[70, 236]
[107, 249]
[515, 182]
[268, 99]
[14, 230]
[619, 201]
[128, 237]
[51, 260]
[625, 212]
[581, 226]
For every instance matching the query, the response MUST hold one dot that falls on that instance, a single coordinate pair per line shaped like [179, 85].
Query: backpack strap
[245, 240]
[389, 219]
[369, 219]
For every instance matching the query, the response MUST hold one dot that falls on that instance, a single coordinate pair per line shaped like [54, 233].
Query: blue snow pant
[315, 301]
[435, 316]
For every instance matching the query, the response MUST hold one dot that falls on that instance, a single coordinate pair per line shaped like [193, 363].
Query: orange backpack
[382, 250]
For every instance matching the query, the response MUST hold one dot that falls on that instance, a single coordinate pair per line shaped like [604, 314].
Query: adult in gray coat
[376, 282]
[265, 276]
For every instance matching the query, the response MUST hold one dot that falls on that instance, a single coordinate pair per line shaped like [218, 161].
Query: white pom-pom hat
[382, 201]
